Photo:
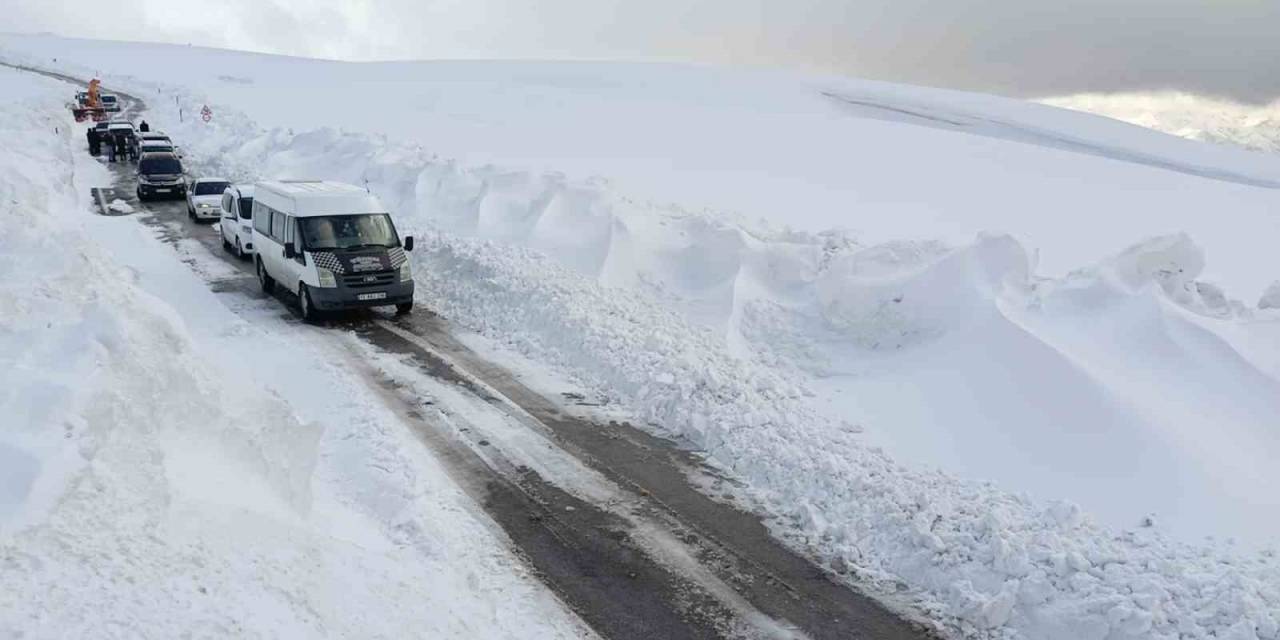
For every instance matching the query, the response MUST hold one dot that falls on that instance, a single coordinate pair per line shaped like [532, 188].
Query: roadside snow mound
[973, 553]
[676, 314]
[881, 305]
[151, 484]
[1271, 297]
[105, 403]
[702, 323]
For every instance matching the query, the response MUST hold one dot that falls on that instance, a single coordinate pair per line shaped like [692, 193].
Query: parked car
[160, 175]
[204, 198]
[334, 245]
[236, 225]
[158, 146]
[154, 135]
[110, 103]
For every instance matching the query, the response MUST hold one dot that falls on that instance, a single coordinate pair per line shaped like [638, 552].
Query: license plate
[372, 296]
[162, 191]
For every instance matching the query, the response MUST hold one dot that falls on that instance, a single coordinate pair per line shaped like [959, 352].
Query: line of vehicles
[332, 245]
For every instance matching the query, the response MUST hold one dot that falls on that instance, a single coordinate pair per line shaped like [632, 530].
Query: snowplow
[89, 104]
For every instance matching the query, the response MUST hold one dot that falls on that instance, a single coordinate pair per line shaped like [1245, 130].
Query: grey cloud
[1225, 48]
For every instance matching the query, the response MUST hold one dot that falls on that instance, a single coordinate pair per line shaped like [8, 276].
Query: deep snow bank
[809, 153]
[987, 557]
[949, 353]
[708, 324]
[153, 484]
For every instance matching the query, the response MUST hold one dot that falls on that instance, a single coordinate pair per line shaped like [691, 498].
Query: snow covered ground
[860, 283]
[171, 468]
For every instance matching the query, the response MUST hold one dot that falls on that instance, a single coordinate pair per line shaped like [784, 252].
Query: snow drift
[831, 369]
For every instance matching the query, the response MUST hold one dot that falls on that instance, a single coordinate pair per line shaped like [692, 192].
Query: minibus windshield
[358, 231]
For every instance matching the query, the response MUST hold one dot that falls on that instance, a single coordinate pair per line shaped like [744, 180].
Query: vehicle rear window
[210, 188]
[246, 208]
[163, 164]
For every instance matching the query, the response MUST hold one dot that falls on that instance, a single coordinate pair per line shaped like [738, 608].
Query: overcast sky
[1228, 48]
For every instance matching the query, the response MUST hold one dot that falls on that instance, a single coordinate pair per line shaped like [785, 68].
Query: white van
[236, 223]
[332, 244]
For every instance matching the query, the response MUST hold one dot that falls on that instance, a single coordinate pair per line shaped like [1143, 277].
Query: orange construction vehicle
[89, 104]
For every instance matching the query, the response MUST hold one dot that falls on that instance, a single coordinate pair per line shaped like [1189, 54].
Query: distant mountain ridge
[1187, 116]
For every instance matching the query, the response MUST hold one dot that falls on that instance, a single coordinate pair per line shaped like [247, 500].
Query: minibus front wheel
[305, 305]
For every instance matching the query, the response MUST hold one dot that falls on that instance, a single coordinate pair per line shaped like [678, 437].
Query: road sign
[206, 113]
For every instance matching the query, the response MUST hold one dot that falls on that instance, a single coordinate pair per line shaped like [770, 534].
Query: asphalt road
[664, 561]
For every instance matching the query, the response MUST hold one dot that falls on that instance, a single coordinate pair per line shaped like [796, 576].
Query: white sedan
[204, 198]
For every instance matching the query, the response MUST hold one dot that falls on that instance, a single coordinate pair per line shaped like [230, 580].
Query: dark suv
[160, 175]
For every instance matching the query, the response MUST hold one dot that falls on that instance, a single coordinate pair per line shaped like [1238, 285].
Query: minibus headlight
[325, 278]
[406, 274]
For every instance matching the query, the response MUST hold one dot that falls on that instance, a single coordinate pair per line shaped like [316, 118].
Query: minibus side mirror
[408, 243]
[290, 251]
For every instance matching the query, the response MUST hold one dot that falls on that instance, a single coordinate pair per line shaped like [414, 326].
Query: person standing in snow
[119, 148]
[111, 148]
[144, 127]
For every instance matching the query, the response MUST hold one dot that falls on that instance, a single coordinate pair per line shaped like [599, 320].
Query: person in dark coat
[144, 127]
[95, 145]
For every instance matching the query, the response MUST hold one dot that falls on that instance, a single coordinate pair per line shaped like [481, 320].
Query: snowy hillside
[1187, 116]
[863, 300]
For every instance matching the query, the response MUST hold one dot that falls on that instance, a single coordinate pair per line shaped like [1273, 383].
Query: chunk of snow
[1271, 297]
